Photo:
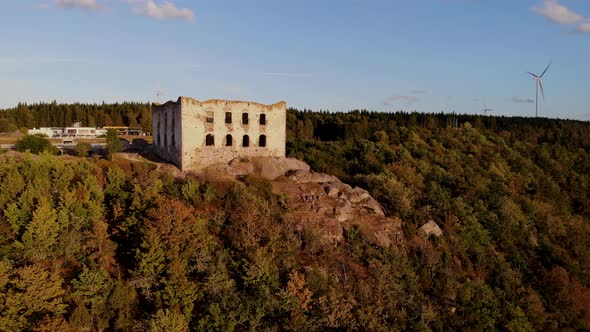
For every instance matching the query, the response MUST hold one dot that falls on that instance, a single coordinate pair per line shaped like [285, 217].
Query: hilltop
[306, 250]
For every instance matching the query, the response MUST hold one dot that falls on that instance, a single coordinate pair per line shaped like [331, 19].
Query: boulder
[343, 211]
[268, 168]
[292, 164]
[303, 176]
[223, 170]
[346, 188]
[331, 190]
[431, 228]
[358, 195]
[372, 205]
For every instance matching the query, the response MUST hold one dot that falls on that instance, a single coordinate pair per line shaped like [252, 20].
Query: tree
[42, 233]
[478, 306]
[82, 149]
[35, 144]
[299, 298]
[175, 247]
[92, 289]
[113, 143]
[307, 131]
[168, 320]
[7, 126]
[28, 293]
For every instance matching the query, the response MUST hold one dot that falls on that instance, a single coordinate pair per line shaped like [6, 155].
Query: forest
[89, 243]
[64, 115]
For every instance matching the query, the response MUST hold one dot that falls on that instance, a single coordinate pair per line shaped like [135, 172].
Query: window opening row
[210, 140]
[245, 118]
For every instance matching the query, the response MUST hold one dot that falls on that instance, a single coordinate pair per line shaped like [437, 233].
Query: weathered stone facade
[193, 134]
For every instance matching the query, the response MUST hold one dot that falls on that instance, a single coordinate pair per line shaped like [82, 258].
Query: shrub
[82, 149]
[35, 144]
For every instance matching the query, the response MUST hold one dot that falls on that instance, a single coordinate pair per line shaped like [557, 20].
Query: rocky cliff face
[318, 201]
[322, 201]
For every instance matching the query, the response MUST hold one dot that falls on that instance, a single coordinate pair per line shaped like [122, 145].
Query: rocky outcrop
[334, 188]
[306, 176]
[317, 202]
[268, 168]
[323, 203]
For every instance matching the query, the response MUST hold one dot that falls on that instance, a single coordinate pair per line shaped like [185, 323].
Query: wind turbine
[159, 93]
[539, 85]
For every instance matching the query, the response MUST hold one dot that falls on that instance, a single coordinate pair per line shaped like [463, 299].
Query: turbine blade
[544, 71]
[533, 75]
[542, 92]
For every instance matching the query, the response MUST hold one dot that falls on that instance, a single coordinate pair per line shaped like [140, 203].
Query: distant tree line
[363, 124]
[64, 115]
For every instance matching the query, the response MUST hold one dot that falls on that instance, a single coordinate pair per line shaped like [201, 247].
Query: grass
[148, 139]
[8, 140]
[13, 139]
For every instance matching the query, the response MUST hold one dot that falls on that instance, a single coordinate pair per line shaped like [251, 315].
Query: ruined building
[192, 134]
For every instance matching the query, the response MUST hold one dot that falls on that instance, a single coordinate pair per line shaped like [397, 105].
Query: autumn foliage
[114, 245]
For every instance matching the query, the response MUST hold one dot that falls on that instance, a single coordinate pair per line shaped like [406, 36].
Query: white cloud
[558, 13]
[583, 27]
[159, 9]
[401, 98]
[520, 100]
[84, 4]
[165, 11]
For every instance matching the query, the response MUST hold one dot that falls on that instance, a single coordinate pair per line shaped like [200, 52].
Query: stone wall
[167, 132]
[200, 119]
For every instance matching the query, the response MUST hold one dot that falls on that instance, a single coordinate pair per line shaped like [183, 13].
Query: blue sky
[424, 55]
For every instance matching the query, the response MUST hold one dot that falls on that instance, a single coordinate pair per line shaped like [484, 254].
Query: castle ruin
[192, 134]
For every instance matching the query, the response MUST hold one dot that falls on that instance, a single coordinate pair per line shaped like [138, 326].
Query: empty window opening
[245, 118]
[228, 140]
[209, 117]
[246, 141]
[262, 141]
[227, 117]
[262, 119]
[209, 140]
